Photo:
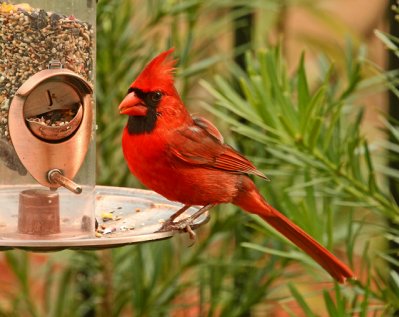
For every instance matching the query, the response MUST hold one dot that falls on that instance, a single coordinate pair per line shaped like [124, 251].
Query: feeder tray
[126, 216]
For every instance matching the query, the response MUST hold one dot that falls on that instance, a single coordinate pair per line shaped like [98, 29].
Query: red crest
[158, 74]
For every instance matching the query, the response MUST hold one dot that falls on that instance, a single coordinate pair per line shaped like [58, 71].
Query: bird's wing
[202, 144]
[209, 127]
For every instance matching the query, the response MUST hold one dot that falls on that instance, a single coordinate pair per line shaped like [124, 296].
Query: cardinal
[185, 159]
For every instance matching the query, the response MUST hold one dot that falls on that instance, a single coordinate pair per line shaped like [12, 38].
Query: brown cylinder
[38, 212]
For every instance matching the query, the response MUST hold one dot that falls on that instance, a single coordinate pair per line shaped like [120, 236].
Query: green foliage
[316, 133]
[305, 135]
[116, 55]
[314, 146]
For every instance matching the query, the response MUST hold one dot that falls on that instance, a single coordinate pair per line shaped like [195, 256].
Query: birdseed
[55, 118]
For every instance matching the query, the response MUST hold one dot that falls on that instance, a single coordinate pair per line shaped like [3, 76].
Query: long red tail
[250, 200]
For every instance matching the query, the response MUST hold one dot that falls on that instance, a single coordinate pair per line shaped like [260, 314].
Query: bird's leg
[189, 221]
[179, 212]
[200, 212]
[184, 224]
[167, 226]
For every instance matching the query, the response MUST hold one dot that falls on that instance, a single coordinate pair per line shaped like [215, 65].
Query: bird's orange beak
[132, 106]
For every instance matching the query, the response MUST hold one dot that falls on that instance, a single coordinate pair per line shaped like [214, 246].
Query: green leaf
[301, 301]
[332, 310]
[302, 86]
[390, 41]
[313, 110]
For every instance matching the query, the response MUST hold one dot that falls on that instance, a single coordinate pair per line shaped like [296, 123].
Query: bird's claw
[181, 226]
[186, 224]
[191, 233]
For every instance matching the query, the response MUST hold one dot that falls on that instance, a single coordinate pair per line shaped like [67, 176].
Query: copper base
[39, 212]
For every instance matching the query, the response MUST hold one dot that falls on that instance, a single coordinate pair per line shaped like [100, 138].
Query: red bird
[183, 158]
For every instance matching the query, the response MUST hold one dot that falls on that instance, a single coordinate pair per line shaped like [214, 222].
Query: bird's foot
[181, 226]
[184, 225]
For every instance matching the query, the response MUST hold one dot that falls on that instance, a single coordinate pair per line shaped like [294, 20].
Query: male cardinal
[183, 158]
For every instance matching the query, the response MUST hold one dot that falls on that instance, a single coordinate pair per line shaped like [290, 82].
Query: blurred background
[307, 89]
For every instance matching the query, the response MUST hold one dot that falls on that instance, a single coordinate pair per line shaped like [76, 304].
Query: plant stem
[358, 189]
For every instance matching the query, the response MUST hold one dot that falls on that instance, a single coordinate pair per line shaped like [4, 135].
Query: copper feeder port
[58, 132]
[50, 124]
[38, 212]
[53, 111]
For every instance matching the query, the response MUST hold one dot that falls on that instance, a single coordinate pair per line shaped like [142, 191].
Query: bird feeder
[48, 197]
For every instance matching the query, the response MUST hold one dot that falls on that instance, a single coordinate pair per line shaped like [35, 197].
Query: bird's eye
[156, 96]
